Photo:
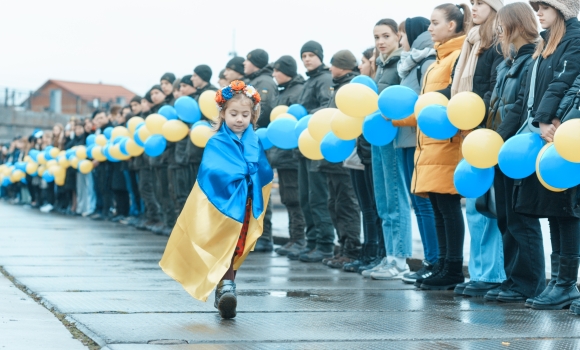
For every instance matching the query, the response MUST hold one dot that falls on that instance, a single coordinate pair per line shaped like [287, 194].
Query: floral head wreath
[237, 87]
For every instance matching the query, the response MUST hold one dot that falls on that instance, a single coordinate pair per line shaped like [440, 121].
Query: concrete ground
[105, 278]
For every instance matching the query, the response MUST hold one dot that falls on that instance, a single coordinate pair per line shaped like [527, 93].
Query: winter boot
[555, 258]
[450, 276]
[565, 291]
[575, 307]
[226, 299]
[435, 271]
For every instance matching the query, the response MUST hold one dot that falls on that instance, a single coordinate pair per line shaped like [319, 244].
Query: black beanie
[314, 47]
[148, 96]
[286, 65]
[221, 75]
[187, 80]
[204, 72]
[414, 27]
[136, 98]
[344, 59]
[236, 64]
[258, 57]
[170, 77]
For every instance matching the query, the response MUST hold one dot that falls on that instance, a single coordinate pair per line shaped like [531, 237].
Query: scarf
[465, 70]
[410, 59]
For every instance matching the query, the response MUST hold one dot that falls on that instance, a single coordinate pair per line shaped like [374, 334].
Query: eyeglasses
[499, 29]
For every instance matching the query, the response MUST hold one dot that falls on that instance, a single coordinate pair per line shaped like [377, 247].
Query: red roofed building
[69, 97]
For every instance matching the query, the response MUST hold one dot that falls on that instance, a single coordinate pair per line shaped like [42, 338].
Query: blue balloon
[23, 180]
[155, 145]
[302, 125]
[48, 148]
[6, 182]
[90, 151]
[34, 154]
[281, 134]
[139, 126]
[20, 166]
[472, 182]
[70, 153]
[298, 111]
[123, 146]
[90, 140]
[397, 102]
[107, 132]
[47, 155]
[201, 122]
[187, 109]
[168, 112]
[433, 122]
[336, 150]
[262, 134]
[557, 171]
[107, 154]
[517, 156]
[47, 177]
[367, 81]
[378, 131]
[137, 139]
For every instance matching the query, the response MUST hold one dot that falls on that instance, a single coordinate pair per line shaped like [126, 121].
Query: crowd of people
[525, 77]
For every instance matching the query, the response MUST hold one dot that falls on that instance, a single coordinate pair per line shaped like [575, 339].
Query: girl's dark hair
[368, 53]
[460, 14]
[389, 23]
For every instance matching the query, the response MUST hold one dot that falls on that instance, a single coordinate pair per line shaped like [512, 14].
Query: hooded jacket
[264, 83]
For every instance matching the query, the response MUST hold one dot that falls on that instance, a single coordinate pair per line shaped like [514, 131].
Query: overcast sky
[133, 42]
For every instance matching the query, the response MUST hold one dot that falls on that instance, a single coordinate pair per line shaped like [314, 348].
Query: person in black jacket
[290, 86]
[102, 172]
[166, 83]
[234, 70]
[119, 184]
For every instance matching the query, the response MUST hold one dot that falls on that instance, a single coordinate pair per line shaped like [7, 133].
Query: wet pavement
[105, 278]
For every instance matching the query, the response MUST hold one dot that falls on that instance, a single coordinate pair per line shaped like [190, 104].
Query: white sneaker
[367, 273]
[46, 208]
[390, 272]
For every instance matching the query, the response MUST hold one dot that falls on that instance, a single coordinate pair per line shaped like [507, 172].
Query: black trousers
[122, 201]
[449, 225]
[133, 178]
[522, 242]
[147, 191]
[163, 191]
[344, 213]
[104, 187]
[362, 181]
[565, 236]
[180, 180]
[288, 185]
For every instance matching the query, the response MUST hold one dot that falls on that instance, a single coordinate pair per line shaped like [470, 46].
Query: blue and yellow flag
[203, 241]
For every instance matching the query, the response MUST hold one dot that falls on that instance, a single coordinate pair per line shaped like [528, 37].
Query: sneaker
[339, 263]
[370, 265]
[85, 214]
[314, 256]
[355, 265]
[367, 273]
[390, 272]
[291, 246]
[425, 271]
[47, 208]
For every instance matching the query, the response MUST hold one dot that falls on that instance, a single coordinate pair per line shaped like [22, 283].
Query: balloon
[107, 132]
[548, 187]
[101, 140]
[517, 157]
[97, 154]
[263, 135]
[81, 153]
[567, 140]
[155, 145]
[365, 80]
[31, 168]
[27, 159]
[58, 172]
[34, 154]
[466, 110]
[116, 153]
[169, 112]
[200, 133]
[63, 162]
[298, 111]
[90, 150]
[90, 139]
[175, 130]
[355, 100]
[345, 127]
[281, 134]
[428, 99]
[141, 135]
[481, 148]
[51, 163]
[41, 170]
[154, 123]
[123, 146]
[286, 116]
[74, 162]
[187, 109]
[319, 124]
[119, 131]
[54, 152]
[133, 123]
[17, 175]
[378, 131]
[434, 123]
[301, 125]
[276, 111]
[133, 148]
[557, 171]
[20, 166]
[472, 182]
[6, 181]
[309, 147]
[336, 150]
[46, 176]
[23, 180]
[41, 158]
[208, 105]
[397, 102]
[85, 166]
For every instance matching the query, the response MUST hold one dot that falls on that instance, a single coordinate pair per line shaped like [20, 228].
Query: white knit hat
[568, 8]
[495, 4]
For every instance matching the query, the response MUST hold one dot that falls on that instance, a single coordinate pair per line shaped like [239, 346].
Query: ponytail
[460, 14]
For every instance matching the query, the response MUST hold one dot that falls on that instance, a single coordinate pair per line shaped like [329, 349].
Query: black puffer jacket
[387, 73]
[264, 83]
[570, 101]
[317, 90]
[194, 153]
[169, 153]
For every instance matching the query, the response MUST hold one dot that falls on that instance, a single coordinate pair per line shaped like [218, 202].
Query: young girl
[224, 214]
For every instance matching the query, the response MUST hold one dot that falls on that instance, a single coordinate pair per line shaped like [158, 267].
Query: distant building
[68, 97]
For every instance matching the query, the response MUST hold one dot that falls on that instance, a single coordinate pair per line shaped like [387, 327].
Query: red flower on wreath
[219, 98]
[257, 98]
[237, 85]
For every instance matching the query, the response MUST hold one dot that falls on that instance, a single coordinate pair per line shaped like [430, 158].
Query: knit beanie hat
[176, 84]
[170, 77]
[414, 27]
[314, 47]
[187, 80]
[236, 64]
[258, 57]
[286, 65]
[568, 8]
[221, 74]
[148, 96]
[156, 87]
[204, 72]
[136, 98]
[495, 4]
[344, 59]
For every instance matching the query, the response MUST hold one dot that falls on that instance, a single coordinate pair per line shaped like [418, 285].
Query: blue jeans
[392, 197]
[423, 210]
[486, 250]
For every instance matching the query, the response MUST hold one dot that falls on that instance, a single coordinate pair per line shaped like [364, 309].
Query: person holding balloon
[86, 200]
[102, 172]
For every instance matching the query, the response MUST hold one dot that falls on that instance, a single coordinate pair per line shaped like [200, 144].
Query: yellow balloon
[345, 127]
[14, 177]
[54, 152]
[41, 158]
[74, 162]
[154, 123]
[59, 181]
[28, 159]
[428, 99]
[101, 140]
[119, 131]
[134, 149]
[31, 168]
[144, 133]
[200, 135]
[58, 171]
[174, 130]
[277, 111]
[116, 153]
[481, 148]
[97, 154]
[286, 116]
[63, 152]
[17, 175]
[319, 124]
[208, 106]
[41, 169]
[63, 162]
[466, 110]
[357, 100]
[133, 122]
[81, 152]
[567, 140]
[85, 166]
[51, 163]
[548, 187]
[309, 147]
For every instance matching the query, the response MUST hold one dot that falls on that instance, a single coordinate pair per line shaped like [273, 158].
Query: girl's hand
[547, 132]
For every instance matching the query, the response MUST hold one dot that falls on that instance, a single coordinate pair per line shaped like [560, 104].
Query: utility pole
[233, 53]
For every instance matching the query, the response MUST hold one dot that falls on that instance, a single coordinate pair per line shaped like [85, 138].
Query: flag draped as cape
[203, 241]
